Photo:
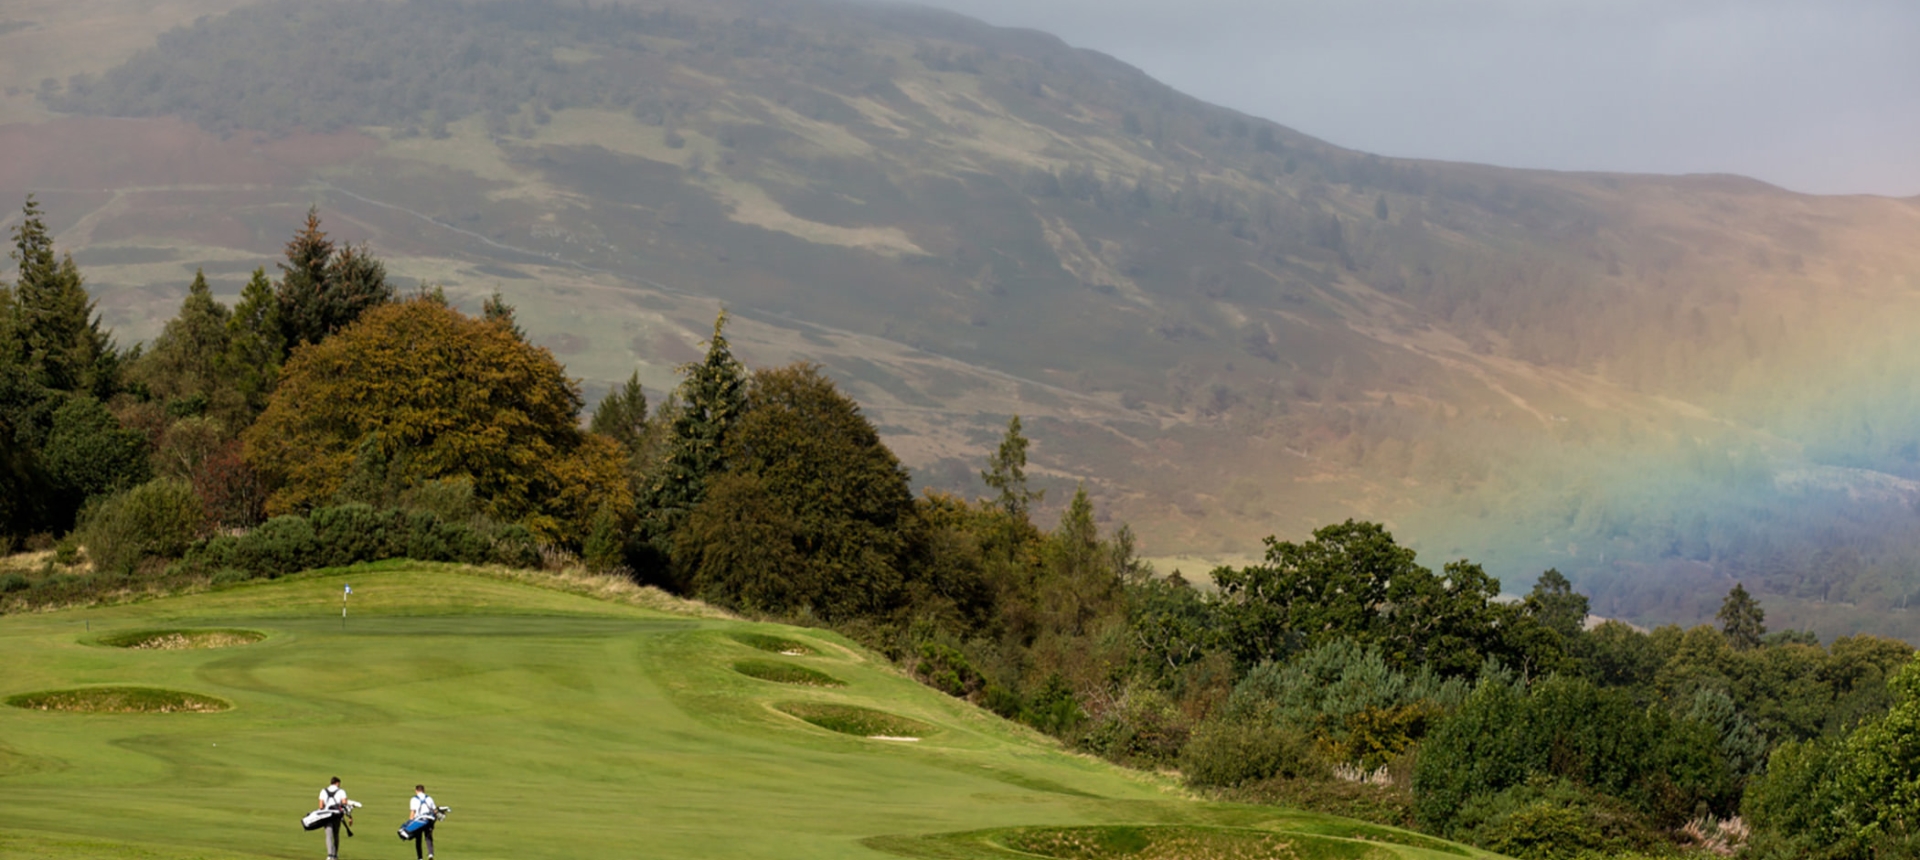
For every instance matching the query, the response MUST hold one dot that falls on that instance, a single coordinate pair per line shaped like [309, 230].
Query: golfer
[424, 809]
[334, 797]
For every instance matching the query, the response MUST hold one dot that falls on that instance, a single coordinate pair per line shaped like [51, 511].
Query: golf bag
[326, 817]
[412, 829]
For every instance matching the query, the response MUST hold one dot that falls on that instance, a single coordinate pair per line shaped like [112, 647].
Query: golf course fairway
[555, 725]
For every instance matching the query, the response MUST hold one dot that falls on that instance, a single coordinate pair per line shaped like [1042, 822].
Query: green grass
[556, 724]
[174, 639]
[118, 700]
[786, 673]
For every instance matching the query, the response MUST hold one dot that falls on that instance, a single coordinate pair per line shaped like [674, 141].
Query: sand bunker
[786, 673]
[775, 644]
[181, 639]
[858, 721]
[1159, 843]
[119, 700]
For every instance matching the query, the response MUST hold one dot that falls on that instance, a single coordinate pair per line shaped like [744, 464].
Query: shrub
[356, 533]
[1143, 728]
[158, 519]
[944, 668]
[1547, 819]
[1225, 753]
[13, 582]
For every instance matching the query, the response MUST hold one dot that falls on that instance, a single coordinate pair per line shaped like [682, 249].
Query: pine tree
[622, 416]
[188, 359]
[324, 287]
[496, 310]
[255, 344]
[1006, 472]
[1742, 619]
[64, 347]
[712, 397]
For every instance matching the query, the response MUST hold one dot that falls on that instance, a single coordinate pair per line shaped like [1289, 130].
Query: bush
[356, 533]
[944, 668]
[1226, 753]
[1144, 728]
[13, 582]
[1391, 805]
[1545, 819]
[158, 519]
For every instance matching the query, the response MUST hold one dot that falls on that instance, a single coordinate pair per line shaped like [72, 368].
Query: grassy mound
[775, 644]
[181, 639]
[119, 700]
[786, 673]
[855, 720]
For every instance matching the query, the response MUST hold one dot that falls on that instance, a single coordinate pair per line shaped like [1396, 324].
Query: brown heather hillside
[1225, 328]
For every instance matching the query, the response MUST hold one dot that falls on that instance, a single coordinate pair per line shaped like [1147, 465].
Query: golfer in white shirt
[334, 797]
[422, 808]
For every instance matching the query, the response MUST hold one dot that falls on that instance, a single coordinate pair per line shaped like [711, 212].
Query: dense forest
[328, 419]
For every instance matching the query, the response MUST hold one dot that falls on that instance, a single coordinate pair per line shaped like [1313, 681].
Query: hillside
[554, 724]
[1225, 328]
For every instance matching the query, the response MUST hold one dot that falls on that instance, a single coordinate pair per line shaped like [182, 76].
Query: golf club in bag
[324, 817]
[411, 830]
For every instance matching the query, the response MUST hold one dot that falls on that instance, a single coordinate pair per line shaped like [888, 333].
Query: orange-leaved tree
[416, 391]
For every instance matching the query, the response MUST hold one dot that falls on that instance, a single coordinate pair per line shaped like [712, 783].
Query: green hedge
[351, 534]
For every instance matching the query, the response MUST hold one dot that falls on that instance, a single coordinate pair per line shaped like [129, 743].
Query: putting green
[556, 725]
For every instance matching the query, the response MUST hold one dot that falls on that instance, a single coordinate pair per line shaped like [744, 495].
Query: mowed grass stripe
[556, 725]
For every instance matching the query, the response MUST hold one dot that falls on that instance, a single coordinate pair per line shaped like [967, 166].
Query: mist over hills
[1225, 328]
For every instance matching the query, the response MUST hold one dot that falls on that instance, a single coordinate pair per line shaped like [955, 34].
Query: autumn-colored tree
[812, 512]
[432, 394]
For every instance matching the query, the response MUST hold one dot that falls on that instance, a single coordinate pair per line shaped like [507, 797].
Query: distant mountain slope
[1228, 329]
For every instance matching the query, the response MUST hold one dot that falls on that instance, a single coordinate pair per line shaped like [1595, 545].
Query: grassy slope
[556, 725]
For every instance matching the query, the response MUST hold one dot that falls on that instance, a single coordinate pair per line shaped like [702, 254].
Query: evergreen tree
[1742, 619]
[1006, 472]
[712, 398]
[186, 366]
[324, 287]
[255, 344]
[63, 345]
[622, 416]
[496, 310]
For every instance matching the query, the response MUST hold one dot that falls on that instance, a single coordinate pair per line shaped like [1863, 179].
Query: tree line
[328, 419]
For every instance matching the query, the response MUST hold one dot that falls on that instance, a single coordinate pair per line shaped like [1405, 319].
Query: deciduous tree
[434, 394]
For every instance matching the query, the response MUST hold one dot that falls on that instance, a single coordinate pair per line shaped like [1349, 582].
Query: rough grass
[855, 720]
[119, 700]
[774, 644]
[181, 639]
[1174, 843]
[786, 673]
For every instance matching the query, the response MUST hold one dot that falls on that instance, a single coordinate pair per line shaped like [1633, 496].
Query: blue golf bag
[412, 829]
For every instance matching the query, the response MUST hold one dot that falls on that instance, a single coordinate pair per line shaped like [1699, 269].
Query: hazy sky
[1814, 95]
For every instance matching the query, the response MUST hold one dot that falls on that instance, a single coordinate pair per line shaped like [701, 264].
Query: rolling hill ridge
[1227, 329]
